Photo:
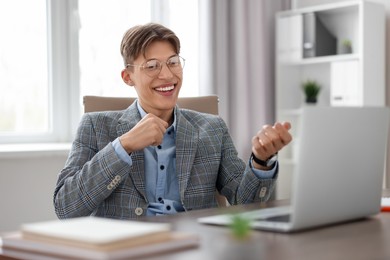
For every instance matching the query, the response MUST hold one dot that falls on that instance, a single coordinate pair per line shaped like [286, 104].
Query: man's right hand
[149, 131]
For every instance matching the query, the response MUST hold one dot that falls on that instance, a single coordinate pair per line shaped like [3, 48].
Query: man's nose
[165, 71]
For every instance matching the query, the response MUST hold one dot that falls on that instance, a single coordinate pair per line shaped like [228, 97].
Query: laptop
[339, 172]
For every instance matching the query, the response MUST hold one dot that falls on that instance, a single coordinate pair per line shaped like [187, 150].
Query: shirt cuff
[120, 151]
[264, 174]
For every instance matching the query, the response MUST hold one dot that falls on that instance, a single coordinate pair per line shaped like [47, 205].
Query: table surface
[364, 239]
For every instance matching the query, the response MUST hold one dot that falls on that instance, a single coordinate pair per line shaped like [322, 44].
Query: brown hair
[138, 38]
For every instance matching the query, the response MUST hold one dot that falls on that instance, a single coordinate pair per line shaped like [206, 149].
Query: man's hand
[269, 140]
[149, 131]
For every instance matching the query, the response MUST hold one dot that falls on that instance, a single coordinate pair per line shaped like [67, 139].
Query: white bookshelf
[353, 79]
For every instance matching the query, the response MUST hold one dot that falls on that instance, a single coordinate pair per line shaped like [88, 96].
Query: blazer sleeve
[91, 173]
[236, 180]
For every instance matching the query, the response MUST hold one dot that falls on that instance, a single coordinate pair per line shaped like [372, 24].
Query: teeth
[165, 88]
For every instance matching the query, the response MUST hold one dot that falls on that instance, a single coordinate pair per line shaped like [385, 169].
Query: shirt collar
[143, 114]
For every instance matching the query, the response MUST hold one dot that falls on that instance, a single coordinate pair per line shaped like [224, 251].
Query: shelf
[353, 79]
[330, 7]
[322, 59]
[290, 112]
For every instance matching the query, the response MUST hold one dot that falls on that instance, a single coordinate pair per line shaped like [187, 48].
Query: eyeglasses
[153, 67]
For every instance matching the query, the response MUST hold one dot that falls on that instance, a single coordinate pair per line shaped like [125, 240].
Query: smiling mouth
[165, 89]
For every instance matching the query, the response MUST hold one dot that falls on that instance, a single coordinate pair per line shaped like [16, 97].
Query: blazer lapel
[186, 145]
[129, 119]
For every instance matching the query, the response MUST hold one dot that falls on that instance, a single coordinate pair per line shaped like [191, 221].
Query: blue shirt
[162, 187]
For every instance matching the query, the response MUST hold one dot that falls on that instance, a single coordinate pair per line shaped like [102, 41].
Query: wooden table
[365, 239]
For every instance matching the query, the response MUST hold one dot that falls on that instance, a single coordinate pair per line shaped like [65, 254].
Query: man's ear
[126, 77]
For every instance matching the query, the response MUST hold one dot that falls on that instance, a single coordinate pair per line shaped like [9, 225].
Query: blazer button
[118, 178]
[263, 192]
[138, 211]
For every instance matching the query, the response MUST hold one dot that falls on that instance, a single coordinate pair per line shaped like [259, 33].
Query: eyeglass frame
[143, 65]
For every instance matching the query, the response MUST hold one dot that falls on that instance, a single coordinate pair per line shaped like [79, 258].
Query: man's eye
[152, 65]
[173, 62]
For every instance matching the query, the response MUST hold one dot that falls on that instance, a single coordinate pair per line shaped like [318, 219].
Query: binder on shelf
[289, 33]
[317, 39]
[345, 89]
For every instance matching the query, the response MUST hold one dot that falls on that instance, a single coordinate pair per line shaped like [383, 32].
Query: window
[183, 20]
[101, 32]
[24, 102]
[56, 52]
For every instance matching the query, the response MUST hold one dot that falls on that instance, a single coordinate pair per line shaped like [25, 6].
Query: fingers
[154, 124]
[153, 128]
[271, 139]
[286, 125]
[282, 131]
[149, 131]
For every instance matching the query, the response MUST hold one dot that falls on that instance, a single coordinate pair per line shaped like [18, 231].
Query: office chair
[206, 104]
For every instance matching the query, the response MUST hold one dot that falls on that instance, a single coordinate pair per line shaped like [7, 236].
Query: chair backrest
[205, 104]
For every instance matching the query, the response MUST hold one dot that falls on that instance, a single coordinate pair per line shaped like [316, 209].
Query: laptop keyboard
[276, 215]
[282, 218]
[269, 213]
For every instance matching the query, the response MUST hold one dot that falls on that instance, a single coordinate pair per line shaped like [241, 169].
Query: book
[385, 204]
[96, 233]
[15, 245]
[93, 238]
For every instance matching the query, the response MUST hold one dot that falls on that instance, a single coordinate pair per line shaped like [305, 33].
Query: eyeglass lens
[153, 67]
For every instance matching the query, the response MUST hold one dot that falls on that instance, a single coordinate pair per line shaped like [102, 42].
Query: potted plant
[240, 227]
[346, 46]
[311, 89]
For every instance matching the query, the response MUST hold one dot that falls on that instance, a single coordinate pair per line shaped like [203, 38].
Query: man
[154, 158]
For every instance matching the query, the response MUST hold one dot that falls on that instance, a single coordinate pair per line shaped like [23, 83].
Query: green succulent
[347, 43]
[311, 89]
[240, 226]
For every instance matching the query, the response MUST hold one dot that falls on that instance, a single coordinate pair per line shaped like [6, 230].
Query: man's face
[157, 94]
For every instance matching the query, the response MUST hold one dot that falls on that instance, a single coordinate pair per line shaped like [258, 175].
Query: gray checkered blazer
[95, 181]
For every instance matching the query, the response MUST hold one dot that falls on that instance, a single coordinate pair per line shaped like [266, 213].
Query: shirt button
[263, 192]
[168, 207]
[138, 211]
[169, 132]
[162, 167]
[160, 199]
[159, 146]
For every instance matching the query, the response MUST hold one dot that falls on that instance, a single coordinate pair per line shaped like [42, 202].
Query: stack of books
[94, 238]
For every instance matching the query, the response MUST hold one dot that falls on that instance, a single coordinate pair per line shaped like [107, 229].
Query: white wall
[27, 183]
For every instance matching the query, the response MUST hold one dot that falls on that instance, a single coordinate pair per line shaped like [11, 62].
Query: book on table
[385, 204]
[94, 238]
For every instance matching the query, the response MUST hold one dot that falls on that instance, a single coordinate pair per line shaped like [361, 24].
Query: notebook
[94, 238]
[339, 171]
